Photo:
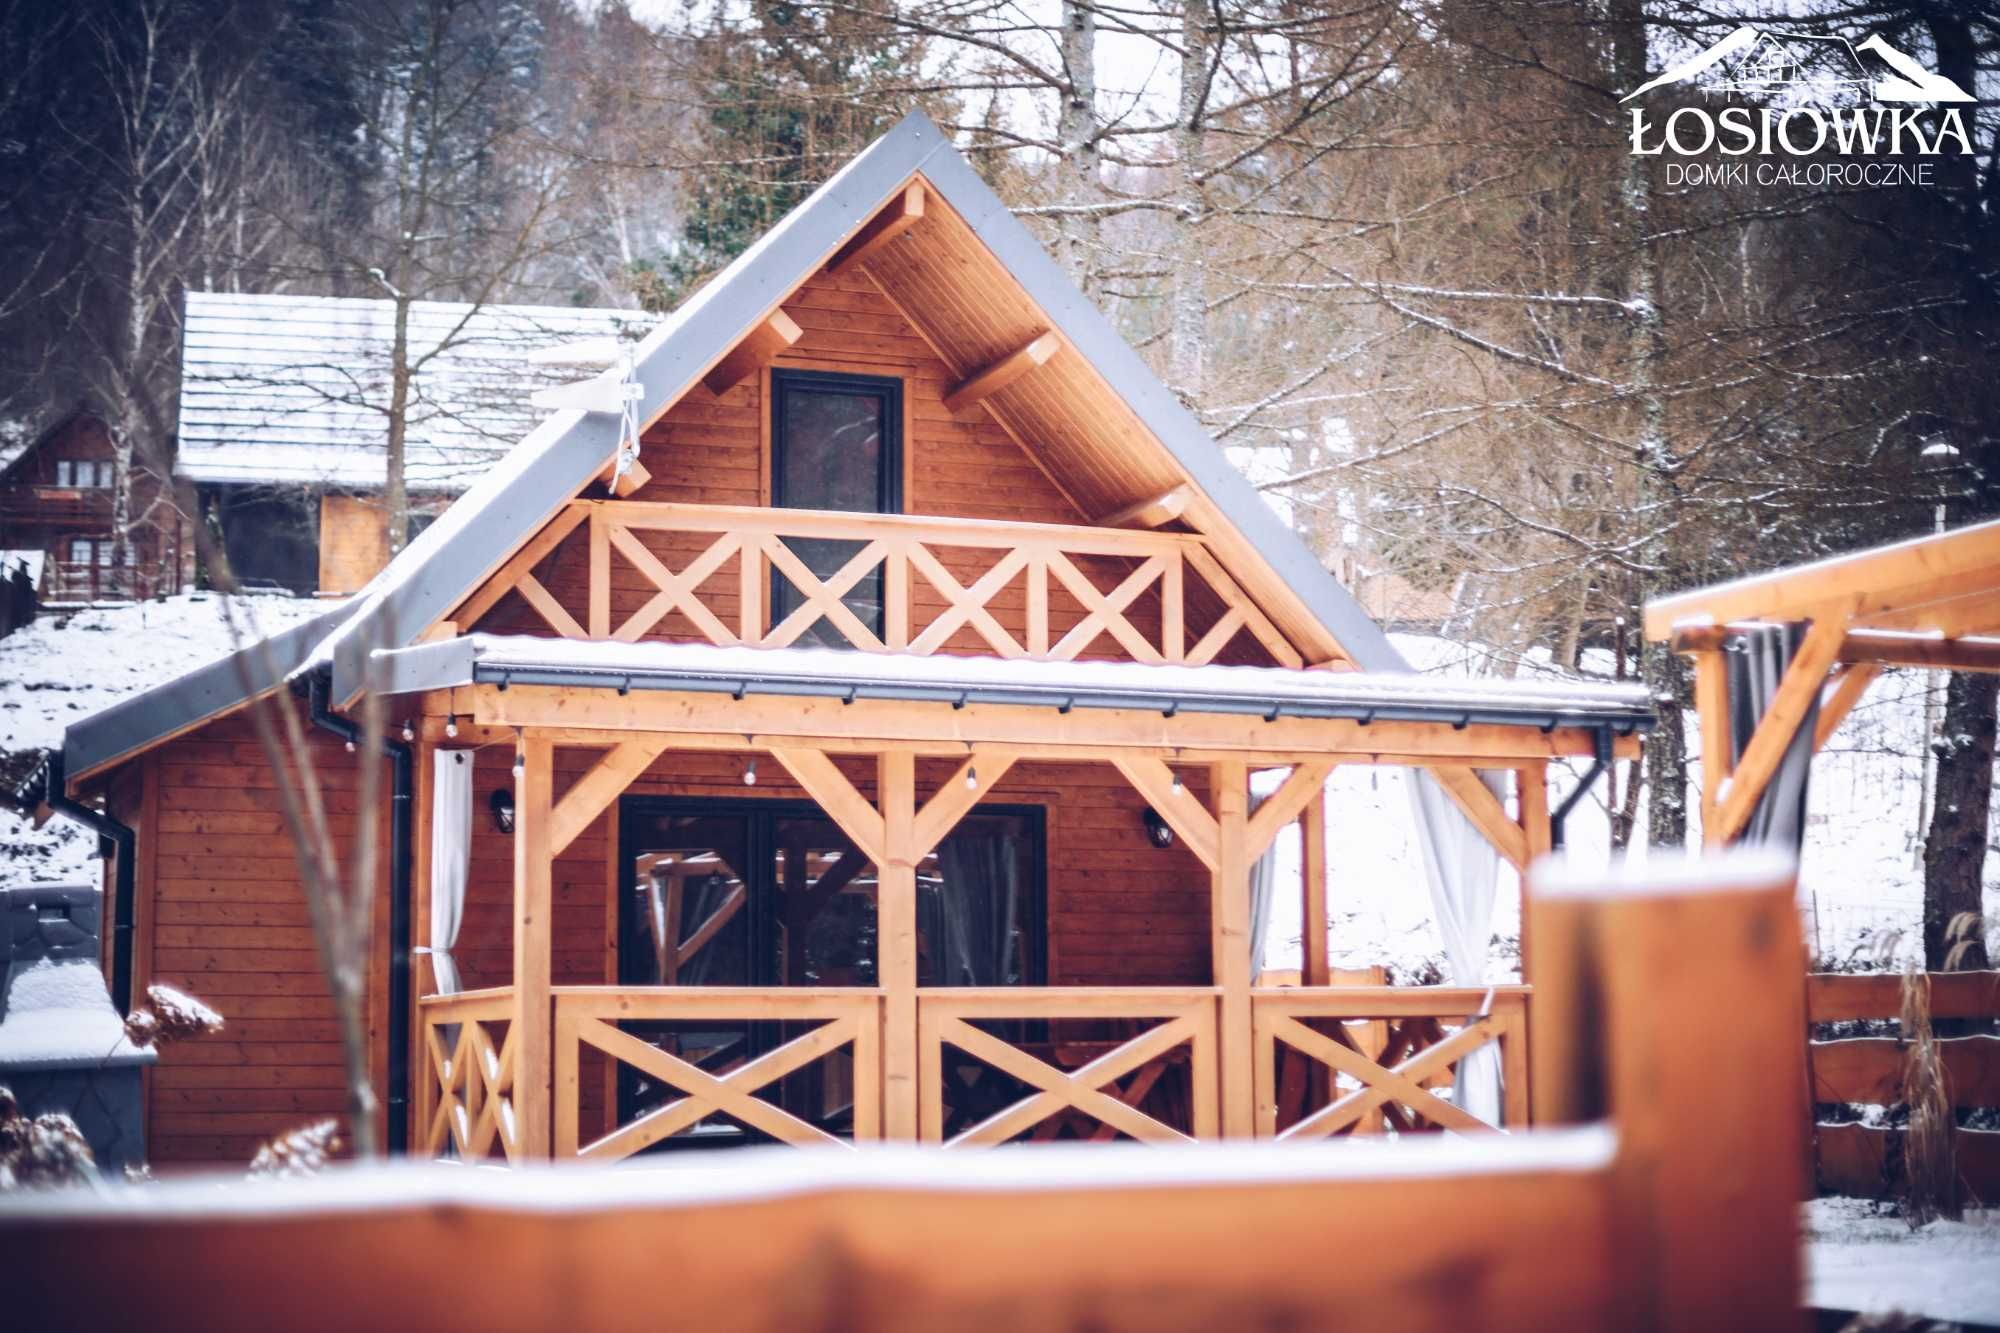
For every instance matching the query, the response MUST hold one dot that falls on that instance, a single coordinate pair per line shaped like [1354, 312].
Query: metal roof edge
[143, 720]
[1161, 412]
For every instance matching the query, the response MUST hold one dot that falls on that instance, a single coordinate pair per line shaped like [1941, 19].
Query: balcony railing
[54, 504]
[998, 1065]
[895, 583]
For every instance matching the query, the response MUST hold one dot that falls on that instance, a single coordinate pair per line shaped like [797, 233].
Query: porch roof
[1266, 692]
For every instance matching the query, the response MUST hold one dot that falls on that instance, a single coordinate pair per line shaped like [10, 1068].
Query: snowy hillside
[66, 667]
[1863, 882]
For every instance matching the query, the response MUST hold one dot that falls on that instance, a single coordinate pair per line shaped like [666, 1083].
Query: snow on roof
[1245, 689]
[60, 1017]
[294, 389]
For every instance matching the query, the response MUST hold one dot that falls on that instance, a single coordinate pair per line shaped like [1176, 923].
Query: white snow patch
[1860, 1258]
[59, 1014]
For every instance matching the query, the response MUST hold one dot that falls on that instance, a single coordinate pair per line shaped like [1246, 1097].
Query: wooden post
[1711, 706]
[1532, 809]
[533, 960]
[422, 1081]
[1312, 836]
[1229, 935]
[896, 942]
[1710, 1164]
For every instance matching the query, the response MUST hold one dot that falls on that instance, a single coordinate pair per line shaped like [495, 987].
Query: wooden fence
[1866, 1160]
[1631, 1222]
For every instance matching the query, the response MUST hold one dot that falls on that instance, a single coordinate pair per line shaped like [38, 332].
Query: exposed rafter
[1875, 647]
[991, 379]
[1156, 512]
[903, 212]
[762, 343]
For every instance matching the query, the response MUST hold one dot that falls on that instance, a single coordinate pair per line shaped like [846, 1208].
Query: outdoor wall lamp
[1158, 831]
[501, 806]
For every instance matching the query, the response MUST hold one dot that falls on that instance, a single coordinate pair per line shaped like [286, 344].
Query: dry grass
[1930, 1146]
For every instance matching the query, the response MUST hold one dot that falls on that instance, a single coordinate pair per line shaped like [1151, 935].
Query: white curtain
[1464, 870]
[1263, 875]
[451, 856]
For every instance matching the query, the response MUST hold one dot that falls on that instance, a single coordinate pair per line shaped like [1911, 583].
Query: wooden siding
[227, 921]
[716, 450]
[353, 544]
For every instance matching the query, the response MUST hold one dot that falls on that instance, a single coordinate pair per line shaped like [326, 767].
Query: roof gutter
[1270, 709]
[401, 785]
[115, 838]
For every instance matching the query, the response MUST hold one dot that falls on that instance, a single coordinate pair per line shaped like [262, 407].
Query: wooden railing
[940, 579]
[468, 1093]
[1369, 1059]
[1862, 1159]
[588, 1016]
[1087, 1074]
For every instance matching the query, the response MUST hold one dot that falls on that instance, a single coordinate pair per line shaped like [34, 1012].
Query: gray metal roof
[522, 491]
[1266, 692]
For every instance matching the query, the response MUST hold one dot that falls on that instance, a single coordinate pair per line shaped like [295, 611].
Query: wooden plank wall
[711, 450]
[227, 922]
[1865, 1160]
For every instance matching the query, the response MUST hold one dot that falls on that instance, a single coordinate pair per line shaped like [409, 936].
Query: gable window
[836, 443]
[83, 473]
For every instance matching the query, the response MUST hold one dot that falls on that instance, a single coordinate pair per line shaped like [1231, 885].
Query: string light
[750, 772]
[451, 725]
[409, 732]
[1177, 784]
[350, 747]
[520, 763]
[971, 778]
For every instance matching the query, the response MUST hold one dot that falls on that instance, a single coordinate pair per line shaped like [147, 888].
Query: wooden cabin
[57, 497]
[867, 757]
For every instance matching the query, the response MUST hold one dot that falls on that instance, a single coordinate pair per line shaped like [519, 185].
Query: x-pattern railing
[472, 1109]
[1185, 1018]
[1108, 574]
[589, 1016]
[1385, 1047]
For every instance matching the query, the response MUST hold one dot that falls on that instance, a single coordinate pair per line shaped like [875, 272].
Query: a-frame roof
[1135, 442]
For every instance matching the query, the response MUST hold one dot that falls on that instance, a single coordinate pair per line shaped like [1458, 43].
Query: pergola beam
[903, 212]
[991, 379]
[1885, 648]
[1766, 750]
[767, 340]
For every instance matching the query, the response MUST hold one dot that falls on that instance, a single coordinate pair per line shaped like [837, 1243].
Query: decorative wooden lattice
[470, 1107]
[1380, 1057]
[1108, 1090]
[1104, 572]
[588, 1016]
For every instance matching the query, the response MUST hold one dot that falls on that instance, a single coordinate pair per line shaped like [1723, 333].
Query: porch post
[1229, 935]
[896, 942]
[1532, 809]
[422, 1089]
[1315, 969]
[533, 906]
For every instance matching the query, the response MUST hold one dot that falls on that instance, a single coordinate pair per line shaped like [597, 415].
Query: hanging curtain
[1463, 869]
[1263, 874]
[1755, 658]
[976, 942]
[451, 858]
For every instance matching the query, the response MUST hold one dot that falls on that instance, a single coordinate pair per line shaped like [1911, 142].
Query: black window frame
[889, 491]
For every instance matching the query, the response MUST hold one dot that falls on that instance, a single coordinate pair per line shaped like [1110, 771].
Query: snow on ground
[65, 667]
[1862, 1259]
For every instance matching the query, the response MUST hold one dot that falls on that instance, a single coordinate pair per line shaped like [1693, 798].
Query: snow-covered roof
[294, 389]
[1251, 691]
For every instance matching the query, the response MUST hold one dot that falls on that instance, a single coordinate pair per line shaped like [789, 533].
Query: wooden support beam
[1317, 971]
[1711, 706]
[767, 340]
[629, 482]
[1152, 779]
[1766, 750]
[1229, 936]
[1849, 684]
[590, 794]
[1155, 512]
[517, 566]
[977, 776]
[896, 944]
[1531, 783]
[845, 806]
[1872, 647]
[1483, 808]
[900, 214]
[992, 378]
[1302, 787]
[530, 1033]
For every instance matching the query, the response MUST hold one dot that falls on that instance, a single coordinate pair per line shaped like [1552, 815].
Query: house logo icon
[1792, 70]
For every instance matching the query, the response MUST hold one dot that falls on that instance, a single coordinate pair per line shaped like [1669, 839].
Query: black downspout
[400, 800]
[1601, 760]
[125, 846]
